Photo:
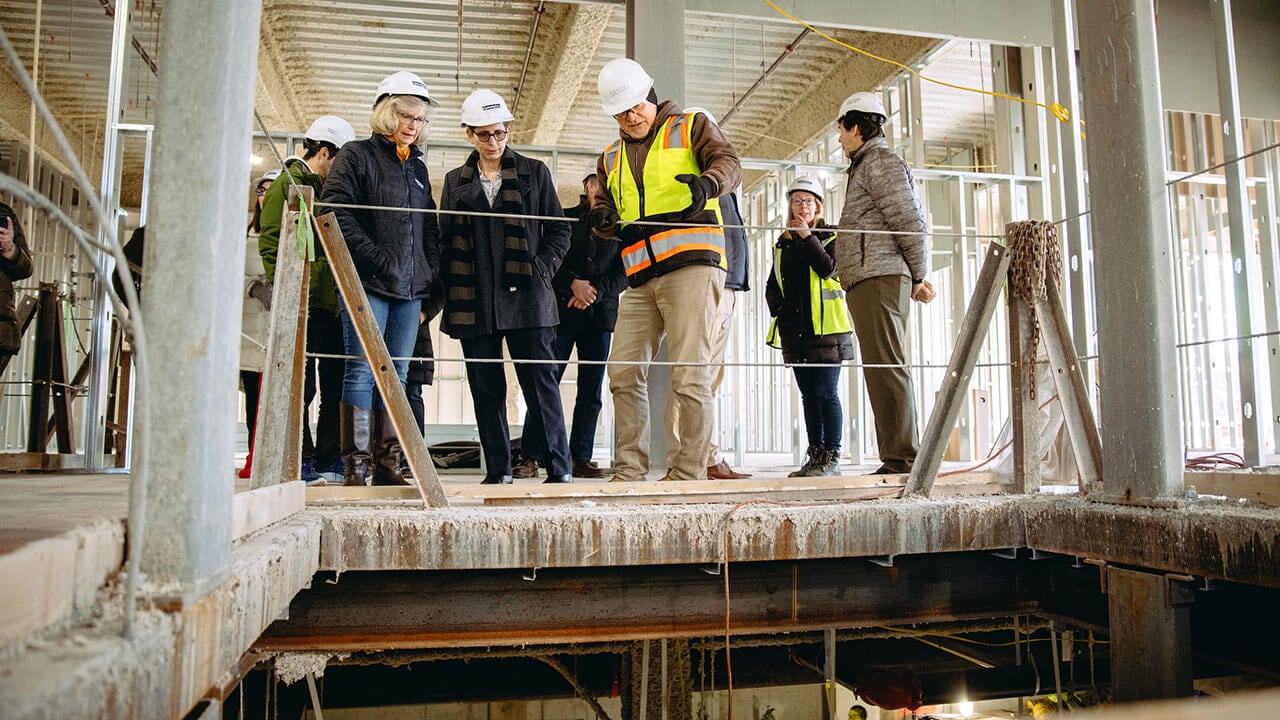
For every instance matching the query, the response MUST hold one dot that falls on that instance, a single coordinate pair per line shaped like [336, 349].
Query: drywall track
[176, 657]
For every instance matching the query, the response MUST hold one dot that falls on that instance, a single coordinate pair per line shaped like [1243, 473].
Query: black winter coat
[11, 271]
[795, 319]
[396, 253]
[501, 308]
[596, 260]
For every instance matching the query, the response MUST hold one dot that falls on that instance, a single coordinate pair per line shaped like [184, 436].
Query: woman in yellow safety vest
[810, 322]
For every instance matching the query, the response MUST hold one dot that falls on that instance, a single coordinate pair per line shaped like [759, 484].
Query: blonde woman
[810, 322]
[397, 255]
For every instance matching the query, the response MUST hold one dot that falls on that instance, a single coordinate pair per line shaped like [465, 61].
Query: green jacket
[324, 289]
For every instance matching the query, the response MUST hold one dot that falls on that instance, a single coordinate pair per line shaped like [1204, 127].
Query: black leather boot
[354, 437]
[387, 453]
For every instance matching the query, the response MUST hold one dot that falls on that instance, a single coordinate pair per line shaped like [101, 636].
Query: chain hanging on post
[1033, 255]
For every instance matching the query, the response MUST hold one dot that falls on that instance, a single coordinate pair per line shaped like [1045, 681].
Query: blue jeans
[593, 344]
[820, 398]
[398, 320]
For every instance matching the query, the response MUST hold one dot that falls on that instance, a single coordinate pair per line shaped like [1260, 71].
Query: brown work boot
[588, 469]
[722, 471]
[526, 468]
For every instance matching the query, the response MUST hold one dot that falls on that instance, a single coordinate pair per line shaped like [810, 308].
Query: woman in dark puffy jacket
[15, 265]
[811, 323]
[397, 255]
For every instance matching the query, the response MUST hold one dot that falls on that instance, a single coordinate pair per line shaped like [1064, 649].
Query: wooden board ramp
[812, 489]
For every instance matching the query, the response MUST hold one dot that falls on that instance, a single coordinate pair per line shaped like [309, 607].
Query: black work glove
[701, 187]
[603, 219]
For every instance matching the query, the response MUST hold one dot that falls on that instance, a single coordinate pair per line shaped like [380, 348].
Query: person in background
[882, 273]
[499, 270]
[810, 322]
[15, 265]
[422, 368]
[397, 256]
[255, 317]
[321, 142]
[737, 279]
[668, 169]
[587, 288]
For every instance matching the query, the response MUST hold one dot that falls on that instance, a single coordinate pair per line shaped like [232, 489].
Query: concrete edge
[174, 658]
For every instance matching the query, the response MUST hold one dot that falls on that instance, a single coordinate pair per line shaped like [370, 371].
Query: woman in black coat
[498, 272]
[397, 255]
[811, 322]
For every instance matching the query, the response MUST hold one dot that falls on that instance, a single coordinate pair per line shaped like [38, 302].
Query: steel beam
[451, 609]
[1130, 220]
[1150, 635]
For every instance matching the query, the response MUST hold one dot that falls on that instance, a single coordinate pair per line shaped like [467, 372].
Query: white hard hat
[485, 107]
[864, 102]
[623, 84]
[268, 176]
[331, 129]
[403, 83]
[807, 183]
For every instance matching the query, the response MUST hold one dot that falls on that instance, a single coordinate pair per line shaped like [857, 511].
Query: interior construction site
[1092, 524]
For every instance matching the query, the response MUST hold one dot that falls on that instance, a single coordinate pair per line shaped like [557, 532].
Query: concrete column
[1129, 217]
[194, 268]
[1150, 618]
[655, 39]
[1240, 220]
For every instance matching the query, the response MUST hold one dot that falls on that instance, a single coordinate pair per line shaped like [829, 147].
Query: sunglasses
[486, 136]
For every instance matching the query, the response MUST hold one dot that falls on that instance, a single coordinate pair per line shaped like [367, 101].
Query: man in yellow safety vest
[664, 177]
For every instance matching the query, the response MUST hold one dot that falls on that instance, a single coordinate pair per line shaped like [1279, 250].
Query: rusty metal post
[1150, 620]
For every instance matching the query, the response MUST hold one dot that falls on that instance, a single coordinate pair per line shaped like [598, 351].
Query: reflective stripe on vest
[671, 154]
[827, 308]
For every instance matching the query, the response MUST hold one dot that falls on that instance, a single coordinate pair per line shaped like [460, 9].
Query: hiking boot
[811, 463]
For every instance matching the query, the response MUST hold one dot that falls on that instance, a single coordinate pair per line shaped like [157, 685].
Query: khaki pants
[683, 306]
[878, 307]
[719, 345]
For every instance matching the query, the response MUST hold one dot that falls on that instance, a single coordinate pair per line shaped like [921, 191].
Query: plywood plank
[256, 509]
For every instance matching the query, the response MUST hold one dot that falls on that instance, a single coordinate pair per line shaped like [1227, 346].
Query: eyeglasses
[262, 190]
[802, 201]
[411, 119]
[485, 136]
[634, 109]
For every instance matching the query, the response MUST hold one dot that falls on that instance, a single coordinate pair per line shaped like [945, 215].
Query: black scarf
[459, 254]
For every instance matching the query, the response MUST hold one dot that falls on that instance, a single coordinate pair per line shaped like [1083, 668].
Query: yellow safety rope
[1057, 109]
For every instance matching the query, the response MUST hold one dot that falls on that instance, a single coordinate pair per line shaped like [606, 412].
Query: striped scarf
[459, 253]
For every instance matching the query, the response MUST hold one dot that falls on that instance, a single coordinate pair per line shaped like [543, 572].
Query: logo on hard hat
[490, 106]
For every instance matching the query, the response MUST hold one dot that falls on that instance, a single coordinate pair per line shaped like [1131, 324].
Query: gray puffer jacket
[881, 195]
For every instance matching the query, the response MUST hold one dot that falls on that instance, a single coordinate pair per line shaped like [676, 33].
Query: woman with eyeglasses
[810, 322]
[500, 252]
[395, 246]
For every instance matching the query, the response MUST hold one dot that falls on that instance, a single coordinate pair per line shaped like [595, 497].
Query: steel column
[1130, 220]
[1150, 619]
[655, 39]
[1240, 220]
[194, 261]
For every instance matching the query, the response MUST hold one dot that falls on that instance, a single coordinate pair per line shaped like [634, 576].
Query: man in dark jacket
[587, 288]
[15, 265]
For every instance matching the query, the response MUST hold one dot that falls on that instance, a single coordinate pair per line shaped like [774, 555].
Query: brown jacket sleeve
[715, 154]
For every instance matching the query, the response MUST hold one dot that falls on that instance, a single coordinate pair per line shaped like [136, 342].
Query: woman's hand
[799, 228]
